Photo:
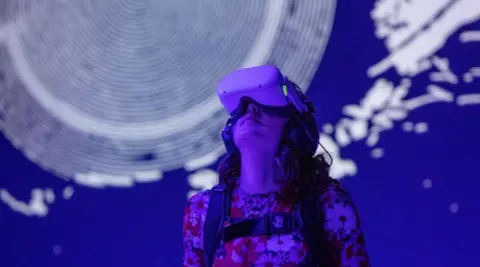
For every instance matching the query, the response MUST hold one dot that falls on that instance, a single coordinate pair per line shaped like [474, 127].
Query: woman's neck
[258, 173]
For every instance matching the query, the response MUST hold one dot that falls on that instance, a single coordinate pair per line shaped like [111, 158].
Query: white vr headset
[267, 87]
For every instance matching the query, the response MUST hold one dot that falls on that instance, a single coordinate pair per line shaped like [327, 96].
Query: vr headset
[276, 95]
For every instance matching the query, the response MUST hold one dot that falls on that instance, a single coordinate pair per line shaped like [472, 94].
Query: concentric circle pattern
[113, 91]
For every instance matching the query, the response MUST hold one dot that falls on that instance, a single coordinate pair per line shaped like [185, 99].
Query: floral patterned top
[342, 227]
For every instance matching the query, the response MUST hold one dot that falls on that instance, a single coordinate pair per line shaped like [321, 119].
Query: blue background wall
[416, 187]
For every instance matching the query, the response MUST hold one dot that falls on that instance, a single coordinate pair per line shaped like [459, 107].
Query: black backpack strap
[218, 210]
[271, 224]
[313, 231]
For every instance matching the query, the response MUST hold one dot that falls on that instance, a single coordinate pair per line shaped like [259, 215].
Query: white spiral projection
[113, 92]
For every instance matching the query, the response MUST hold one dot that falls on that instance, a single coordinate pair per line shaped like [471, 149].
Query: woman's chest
[276, 250]
[287, 249]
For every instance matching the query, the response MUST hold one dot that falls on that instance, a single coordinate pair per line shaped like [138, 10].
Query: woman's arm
[193, 221]
[342, 226]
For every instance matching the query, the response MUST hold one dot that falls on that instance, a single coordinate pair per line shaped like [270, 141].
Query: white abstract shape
[421, 127]
[57, 250]
[341, 135]
[205, 160]
[263, 45]
[37, 205]
[358, 129]
[398, 20]
[327, 128]
[148, 176]
[114, 87]
[467, 77]
[340, 167]
[101, 180]
[377, 153]
[202, 180]
[382, 105]
[382, 121]
[414, 31]
[400, 92]
[13, 28]
[468, 99]
[347, 130]
[444, 74]
[381, 95]
[83, 122]
[435, 94]
[441, 64]
[427, 183]
[357, 112]
[374, 136]
[395, 113]
[473, 73]
[5, 31]
[414, 34]
[454, 207]
[49, 196]
[68, 192]
[470, 36]
[440, 93]
[377, 97]
[407, 126]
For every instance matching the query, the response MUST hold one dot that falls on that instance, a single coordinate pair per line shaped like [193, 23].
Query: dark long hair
[304, 173]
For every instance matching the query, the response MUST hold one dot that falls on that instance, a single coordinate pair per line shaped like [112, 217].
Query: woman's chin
[251, 133]
[252, 140]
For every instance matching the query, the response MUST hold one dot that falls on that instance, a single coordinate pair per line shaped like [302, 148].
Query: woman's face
[258, 130]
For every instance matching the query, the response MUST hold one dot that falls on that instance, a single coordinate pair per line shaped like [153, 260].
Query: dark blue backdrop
[416, 188]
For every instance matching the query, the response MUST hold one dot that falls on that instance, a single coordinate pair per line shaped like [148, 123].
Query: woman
[270, 168]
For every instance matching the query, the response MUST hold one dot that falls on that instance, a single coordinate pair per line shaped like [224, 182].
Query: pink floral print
[341, 224]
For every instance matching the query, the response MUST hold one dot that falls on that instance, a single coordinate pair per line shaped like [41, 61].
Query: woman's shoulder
[198, 202]
[334, 192]
[194, 216]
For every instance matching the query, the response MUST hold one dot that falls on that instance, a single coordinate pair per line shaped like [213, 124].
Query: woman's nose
[254, 109]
